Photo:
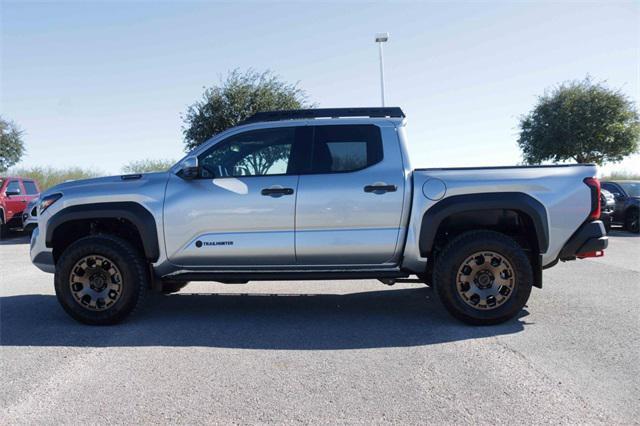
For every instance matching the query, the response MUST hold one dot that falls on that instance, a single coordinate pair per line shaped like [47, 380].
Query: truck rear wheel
[483, 277]
[100, 279]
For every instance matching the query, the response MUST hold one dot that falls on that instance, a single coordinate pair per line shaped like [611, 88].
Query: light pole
[381, 38]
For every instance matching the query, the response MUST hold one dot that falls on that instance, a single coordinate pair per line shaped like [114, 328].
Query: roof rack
[293, 114]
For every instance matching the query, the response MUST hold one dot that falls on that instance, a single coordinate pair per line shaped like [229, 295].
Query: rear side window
[345, 148]
[14, 186]
[30, 187]
[610, 187]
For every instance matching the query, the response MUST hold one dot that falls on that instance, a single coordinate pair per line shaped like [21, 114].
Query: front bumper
[41, 256]
[591, 237]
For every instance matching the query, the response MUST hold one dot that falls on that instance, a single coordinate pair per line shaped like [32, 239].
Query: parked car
[316, 194]
[607, 207]
[30, 216]
[15, 194]
[627, 200]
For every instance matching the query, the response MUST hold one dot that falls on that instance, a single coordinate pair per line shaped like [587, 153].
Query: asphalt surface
[326, 352]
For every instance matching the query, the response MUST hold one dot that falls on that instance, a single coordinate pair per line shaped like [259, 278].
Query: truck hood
[116, 183]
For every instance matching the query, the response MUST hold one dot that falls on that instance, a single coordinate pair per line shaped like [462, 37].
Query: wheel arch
[132, 215]
[631, 208]
[494, 201]
[520, 214]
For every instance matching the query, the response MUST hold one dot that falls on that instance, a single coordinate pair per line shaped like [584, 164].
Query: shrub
[48, 176]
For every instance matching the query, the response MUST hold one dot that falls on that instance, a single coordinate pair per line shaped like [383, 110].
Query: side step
[244, 276]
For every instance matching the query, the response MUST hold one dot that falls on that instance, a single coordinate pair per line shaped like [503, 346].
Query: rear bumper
[589, 238]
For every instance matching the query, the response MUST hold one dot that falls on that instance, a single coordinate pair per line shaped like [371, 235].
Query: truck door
[14, 200]
[350, 204]
[240, 210]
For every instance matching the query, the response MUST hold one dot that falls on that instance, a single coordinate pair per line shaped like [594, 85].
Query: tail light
[594, 185]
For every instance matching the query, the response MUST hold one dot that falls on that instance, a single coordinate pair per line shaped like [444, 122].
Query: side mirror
[10, 193]
[189, 168]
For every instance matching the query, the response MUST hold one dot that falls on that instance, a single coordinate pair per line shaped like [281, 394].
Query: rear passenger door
[349, 203]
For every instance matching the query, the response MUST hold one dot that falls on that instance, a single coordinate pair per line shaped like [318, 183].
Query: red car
[15, 194]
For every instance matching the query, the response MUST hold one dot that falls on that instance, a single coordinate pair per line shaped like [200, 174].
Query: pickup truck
[15, 194]
[316, 195]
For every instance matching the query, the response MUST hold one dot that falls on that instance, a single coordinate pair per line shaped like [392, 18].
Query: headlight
[48, 201]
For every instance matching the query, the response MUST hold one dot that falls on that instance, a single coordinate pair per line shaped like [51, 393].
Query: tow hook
[387, 281]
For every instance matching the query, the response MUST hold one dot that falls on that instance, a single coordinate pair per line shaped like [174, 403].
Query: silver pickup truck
[316, 195]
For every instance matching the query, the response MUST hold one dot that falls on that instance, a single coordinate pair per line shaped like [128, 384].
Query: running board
[244, 276]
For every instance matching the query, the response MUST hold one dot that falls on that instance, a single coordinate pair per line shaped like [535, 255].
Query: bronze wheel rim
[485, 280]
[95, 282]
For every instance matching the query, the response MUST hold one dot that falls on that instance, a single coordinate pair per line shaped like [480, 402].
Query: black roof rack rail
[293, 114]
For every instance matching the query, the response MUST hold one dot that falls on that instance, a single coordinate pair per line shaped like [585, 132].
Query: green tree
[237, 97]
[11, 145]
[148, 166]
[48, 176]
[581, 121]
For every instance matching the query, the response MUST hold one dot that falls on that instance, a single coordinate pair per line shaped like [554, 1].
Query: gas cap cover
[434, 189]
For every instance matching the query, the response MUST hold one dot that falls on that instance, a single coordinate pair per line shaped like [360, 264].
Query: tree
[11, 145]
[48, 176]
[236, 98]
[581, 121]
[147, 166]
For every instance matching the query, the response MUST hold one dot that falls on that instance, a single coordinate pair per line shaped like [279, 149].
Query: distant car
[30, 216]
[627, 198]
[607, 207]
[15, 194]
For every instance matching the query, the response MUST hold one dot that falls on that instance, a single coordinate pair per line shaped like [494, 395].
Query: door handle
[276, 192]
[380, 188]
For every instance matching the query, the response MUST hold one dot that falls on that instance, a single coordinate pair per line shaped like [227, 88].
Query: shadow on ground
[619, 232]
[387, 318]
[15, 238]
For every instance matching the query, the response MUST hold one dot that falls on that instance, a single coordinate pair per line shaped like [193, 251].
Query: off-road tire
[4, 231]
[454, 256]
[631, 221]
[127, 259]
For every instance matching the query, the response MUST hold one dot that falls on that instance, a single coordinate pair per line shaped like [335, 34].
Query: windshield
[631, 188]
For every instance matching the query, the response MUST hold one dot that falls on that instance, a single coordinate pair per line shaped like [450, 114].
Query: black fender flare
[135, 213]
[517, 201]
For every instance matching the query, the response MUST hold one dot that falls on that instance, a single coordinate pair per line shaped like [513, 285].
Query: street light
[381, 38]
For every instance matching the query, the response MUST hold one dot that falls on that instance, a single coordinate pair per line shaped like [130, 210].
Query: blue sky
[98, 84]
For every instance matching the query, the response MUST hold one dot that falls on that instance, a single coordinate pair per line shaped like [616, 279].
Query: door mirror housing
[10, 193]
[189, 168]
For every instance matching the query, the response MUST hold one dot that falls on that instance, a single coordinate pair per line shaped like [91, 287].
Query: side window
[610, 187]
[30, 187]
[345, 148]
[254, 153]
[13, 186]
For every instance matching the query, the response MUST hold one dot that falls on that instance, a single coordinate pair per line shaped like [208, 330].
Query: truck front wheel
[100, 279]
[483, 277]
